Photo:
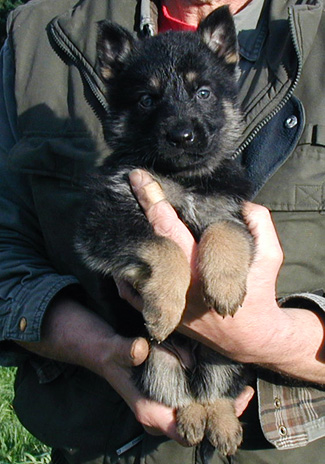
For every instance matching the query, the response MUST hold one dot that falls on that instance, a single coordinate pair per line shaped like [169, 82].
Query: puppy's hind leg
[223, 429]
[163, 376]
[191, 422]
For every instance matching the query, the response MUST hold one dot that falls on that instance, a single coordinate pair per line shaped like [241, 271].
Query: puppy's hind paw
[224, 430]
[191, 423]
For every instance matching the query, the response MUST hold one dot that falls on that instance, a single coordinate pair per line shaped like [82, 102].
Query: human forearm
[73, 334]
[300, 347]
[287, 340]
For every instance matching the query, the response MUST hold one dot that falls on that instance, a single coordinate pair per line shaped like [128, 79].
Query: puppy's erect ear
[113, 45]
[218, 31]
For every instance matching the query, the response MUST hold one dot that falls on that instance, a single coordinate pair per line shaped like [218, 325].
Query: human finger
[128, 293]
[130, 351]
[158, 419]
[160, 213]
[242, 401]
[259, 221]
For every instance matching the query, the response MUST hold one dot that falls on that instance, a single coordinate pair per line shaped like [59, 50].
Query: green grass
[17, 446]
[5, 7]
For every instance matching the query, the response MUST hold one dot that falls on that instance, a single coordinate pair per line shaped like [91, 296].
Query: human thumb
[160, 213]
[131, 351]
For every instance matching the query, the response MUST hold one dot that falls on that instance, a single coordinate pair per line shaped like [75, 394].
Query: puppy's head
[172, 97]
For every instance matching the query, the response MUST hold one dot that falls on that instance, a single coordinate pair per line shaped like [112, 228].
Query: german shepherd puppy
[173, 111]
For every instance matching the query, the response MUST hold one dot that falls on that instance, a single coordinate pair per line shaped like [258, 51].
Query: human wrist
[245, 337]
[72, 334]
[298, 351]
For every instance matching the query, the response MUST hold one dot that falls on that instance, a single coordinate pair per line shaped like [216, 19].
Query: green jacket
[57, 137]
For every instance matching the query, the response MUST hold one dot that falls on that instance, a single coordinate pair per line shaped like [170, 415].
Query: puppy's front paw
[223, 431]
[225, 295]
[162, 277]
[191, 423]
[225, 254]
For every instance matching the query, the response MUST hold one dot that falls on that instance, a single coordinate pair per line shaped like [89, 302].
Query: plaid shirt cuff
[290, 416]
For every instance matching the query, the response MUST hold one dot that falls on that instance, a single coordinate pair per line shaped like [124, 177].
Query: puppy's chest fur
[196, 207]
[198, 201]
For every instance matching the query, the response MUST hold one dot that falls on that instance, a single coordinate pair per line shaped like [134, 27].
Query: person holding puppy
[71, 360]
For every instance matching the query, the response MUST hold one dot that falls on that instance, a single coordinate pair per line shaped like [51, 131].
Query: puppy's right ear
[114, 43]
[218, 31]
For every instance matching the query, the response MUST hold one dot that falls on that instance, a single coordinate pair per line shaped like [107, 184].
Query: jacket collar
[292, 27]
[252, 26]
[304, 18]
[306, 15]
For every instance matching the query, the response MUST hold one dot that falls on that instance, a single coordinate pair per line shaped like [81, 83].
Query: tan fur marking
[155, 82]
[224, 258]
[106, 72]
[191, 77]
[231, 58]
[164, 291]
[212, 40]
[223, 427]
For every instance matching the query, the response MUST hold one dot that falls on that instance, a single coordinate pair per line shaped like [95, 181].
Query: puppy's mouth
[182, 161]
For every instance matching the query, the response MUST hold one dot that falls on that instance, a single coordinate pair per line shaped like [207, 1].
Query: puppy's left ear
[114, 43]
[218, 31]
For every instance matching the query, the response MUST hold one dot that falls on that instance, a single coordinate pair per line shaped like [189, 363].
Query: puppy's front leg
[161, 274]
[225, 254]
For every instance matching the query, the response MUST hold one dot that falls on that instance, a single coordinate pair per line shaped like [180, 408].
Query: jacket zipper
[67, 48]
[285, 100]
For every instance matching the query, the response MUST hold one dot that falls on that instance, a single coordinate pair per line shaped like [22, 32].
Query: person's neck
[193, 11]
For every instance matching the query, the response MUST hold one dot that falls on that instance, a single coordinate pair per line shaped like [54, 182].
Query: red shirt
[168, 23]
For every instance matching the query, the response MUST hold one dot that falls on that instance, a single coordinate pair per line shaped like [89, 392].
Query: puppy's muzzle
[181, 136]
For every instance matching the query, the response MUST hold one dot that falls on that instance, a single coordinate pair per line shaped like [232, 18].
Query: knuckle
[275, 254]
[163, 219]
[262, 212]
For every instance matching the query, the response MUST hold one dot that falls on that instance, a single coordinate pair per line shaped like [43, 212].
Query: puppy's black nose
[181, 137]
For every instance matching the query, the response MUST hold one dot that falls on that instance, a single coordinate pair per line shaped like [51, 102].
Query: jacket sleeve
[28, 282]
[313, 301]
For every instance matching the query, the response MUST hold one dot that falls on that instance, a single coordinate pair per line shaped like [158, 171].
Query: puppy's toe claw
[225, 300]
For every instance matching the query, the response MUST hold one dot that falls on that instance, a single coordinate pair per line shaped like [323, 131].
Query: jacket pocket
[299, 185]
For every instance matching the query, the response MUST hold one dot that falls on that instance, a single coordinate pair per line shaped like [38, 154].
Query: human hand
[244, 336]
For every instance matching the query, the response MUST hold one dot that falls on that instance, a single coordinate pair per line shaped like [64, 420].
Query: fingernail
[136, 178]
[249, 395]
[139, 350]
[132, 350]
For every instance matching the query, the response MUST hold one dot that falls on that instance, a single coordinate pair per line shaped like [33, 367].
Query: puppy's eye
[203, 93]
[146, 101]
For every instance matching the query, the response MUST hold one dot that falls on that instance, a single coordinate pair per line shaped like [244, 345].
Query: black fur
[173, 111]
